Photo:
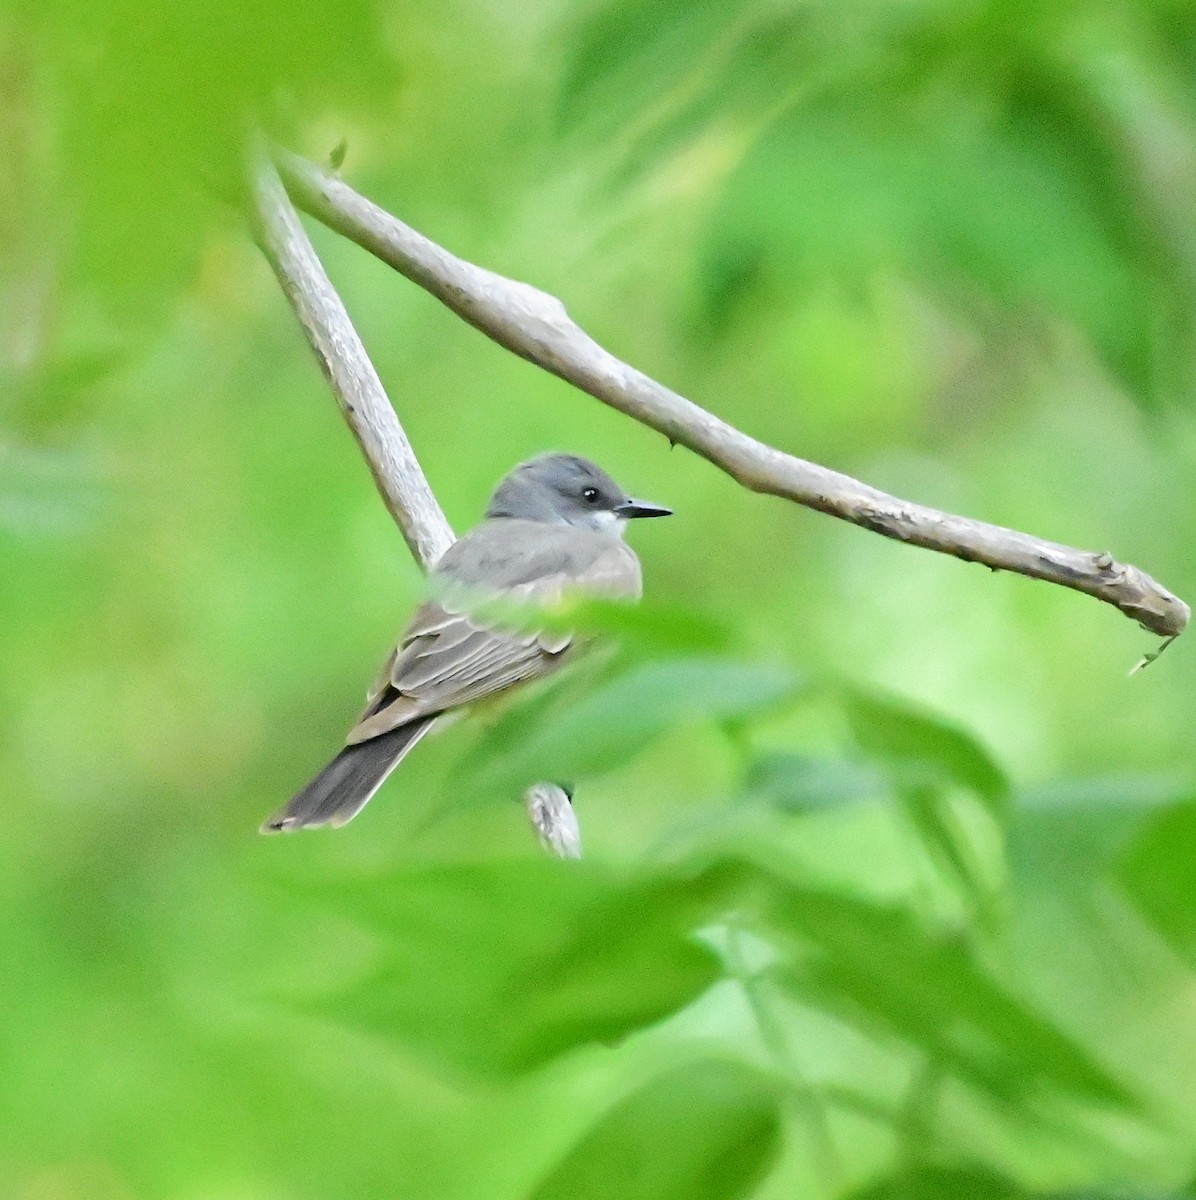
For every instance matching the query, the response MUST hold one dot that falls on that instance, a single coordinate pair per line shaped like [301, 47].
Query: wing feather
[448, 658]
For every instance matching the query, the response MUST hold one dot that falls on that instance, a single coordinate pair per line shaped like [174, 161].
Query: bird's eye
[590, 495]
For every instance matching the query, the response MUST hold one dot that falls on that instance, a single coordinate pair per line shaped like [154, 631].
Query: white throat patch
[609, 522]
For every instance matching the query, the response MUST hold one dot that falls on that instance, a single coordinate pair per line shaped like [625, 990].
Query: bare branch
[536, 326]
[552, 816]
[348, 369]
[392, 462]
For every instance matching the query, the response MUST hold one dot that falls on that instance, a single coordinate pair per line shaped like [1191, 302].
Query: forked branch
[347, 367]
[536, 326]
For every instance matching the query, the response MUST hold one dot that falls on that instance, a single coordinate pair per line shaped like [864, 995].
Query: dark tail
[344, 787]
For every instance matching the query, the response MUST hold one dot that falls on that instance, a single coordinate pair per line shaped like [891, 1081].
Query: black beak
[641, 508]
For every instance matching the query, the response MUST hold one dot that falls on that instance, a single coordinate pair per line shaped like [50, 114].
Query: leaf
[705, 1131]
[1159, 872]
[656, 626]
[631, 52]
[800, 783]
[942, 1183]
[875, 965]
[650, 625]
[1115, 1193]
[925, 757]
[1074, 832]
[1004, 217]
[919, 749]
[501, 968]
[611, 724]
[148, 107]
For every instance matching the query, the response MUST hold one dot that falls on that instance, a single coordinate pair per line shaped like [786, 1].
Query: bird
[553, 530]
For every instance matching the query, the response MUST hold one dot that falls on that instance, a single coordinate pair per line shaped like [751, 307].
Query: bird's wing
[450, 657]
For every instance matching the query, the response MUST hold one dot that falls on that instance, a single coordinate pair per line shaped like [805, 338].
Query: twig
[1147, 659]
[536, 326]
[347, 367]
[363, 401]
[552, 816]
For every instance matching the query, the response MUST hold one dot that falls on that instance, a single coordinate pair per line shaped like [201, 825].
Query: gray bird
[554, 528]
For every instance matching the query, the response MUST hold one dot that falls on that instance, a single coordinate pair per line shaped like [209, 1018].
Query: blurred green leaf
[1116, 1193]
[650, 626]
[1073, 832]
[148, 105]
[606, 727]
[876, 965]
[630, 52]
[801, 783]
[708, 1130]
[500, 968]
[1159, 872]
[53, 395]
[943, 1183]
[584, 957]
[921, 750]
[935, 819]
[997, 207]
[925, 757]
[656, 627]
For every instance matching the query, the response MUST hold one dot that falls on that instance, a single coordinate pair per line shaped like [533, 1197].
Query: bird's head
[563, 489]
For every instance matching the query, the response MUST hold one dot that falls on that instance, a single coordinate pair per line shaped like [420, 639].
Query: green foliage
[1021, 195]
[930, 1183]
[615, 720]
[147, 106]
[926, 759]
[717, 1122]
[923, 752]
[888, 889]
[580, 958]
[1159, 873]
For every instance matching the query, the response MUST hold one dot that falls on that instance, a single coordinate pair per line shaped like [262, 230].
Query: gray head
[563, 489]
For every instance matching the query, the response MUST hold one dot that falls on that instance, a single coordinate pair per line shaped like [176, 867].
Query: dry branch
[551, 814]
[348, 369]
[536, 326]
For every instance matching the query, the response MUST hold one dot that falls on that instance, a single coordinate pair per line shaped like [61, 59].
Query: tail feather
[344, 787]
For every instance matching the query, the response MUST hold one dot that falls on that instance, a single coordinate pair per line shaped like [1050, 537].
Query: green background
[889, 887]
